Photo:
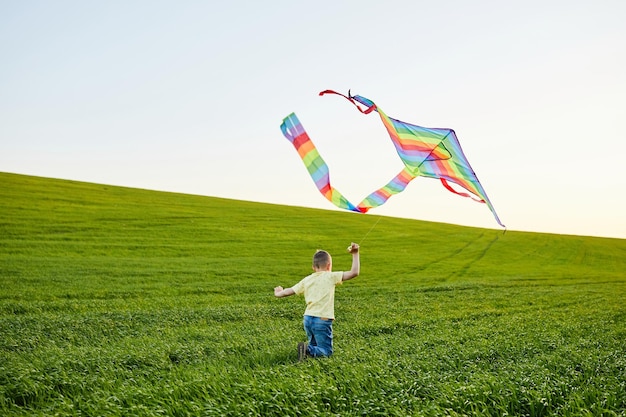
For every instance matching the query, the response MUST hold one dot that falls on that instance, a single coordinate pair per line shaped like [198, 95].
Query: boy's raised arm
[356, 263]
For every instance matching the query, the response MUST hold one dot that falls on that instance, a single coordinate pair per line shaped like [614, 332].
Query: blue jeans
[320, 334]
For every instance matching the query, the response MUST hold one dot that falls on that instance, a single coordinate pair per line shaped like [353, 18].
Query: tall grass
[118, 301]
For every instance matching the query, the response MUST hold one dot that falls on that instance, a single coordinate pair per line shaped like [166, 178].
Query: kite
[427, 152]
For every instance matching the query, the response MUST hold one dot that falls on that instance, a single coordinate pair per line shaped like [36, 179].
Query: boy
[319, 294]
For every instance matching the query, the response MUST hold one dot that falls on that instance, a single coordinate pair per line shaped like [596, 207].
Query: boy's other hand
[278, 290]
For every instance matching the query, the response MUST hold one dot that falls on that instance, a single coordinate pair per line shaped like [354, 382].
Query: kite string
[371, 228]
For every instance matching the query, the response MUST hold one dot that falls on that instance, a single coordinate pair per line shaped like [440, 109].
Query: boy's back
[319, 293]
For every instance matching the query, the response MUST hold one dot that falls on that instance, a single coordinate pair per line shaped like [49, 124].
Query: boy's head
[322, 261]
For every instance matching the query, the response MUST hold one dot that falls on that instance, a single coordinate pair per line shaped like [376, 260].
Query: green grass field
[118, 301]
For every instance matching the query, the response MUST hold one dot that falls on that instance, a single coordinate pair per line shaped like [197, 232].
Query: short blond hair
[321, 259]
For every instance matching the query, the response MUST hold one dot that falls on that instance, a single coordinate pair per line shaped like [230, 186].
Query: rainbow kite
[427, 152]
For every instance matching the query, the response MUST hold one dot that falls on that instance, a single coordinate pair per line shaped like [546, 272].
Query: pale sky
[188, 96]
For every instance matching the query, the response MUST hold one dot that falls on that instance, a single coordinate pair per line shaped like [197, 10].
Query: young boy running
[319, 295]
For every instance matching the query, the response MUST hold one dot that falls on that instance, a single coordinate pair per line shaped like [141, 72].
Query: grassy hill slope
[125, 301]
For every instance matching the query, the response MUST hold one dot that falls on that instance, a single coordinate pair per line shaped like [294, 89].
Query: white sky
[188, 96]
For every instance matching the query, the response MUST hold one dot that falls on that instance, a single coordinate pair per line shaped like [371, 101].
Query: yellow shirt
[319, 293]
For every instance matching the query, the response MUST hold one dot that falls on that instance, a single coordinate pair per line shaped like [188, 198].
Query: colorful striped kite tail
[294, 132]
[395, 186]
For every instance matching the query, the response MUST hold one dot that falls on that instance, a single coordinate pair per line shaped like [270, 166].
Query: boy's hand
[353, 248]
[280, 292]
